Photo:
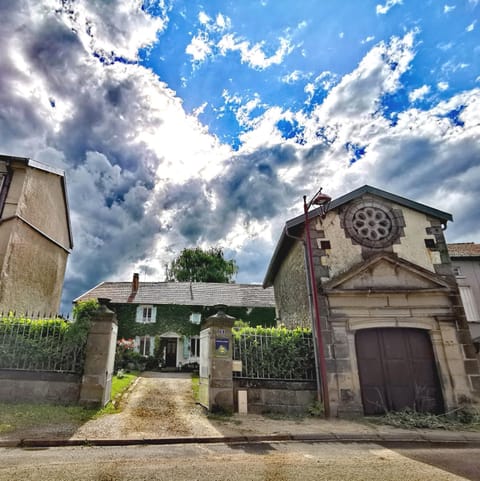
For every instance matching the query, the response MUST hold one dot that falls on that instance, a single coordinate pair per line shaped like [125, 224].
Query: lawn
[17, 417]
[195, 385]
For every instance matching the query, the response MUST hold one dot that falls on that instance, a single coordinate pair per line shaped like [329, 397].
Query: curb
[454, 440]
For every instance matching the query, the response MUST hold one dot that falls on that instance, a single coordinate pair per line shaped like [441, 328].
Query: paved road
[271, 462]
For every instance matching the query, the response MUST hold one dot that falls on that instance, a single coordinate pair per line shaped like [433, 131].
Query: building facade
[164, 318]
[466, 267]
[393, 327]
[35, 235]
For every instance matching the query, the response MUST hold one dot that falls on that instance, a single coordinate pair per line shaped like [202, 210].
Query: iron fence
[40, 345]
[285, 356]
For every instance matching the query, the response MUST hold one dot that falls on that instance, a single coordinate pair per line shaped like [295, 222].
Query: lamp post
[321, 200]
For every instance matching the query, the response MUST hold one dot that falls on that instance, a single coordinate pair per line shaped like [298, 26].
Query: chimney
[135, 284]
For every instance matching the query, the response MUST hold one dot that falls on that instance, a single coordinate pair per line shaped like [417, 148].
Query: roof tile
[184, 293]
[464, 249]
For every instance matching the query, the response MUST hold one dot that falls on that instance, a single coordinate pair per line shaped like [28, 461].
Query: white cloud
[471, 27]
[199, 47]
[254, 55]
[368, 39]
[419, 93]
[383, 9]
[378, 73]
[203, 18]
[96, 25]
[223, 22]
[448, 8]
[294, 77]
[341, 35]
[442, 86]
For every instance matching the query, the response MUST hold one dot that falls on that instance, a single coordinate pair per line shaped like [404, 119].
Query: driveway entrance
[159, 405]
[397, 370]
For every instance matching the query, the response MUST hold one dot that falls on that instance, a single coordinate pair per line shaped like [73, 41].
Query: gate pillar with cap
[216, 347]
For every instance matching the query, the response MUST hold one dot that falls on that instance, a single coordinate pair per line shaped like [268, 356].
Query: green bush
[275, 353]
[46, 344]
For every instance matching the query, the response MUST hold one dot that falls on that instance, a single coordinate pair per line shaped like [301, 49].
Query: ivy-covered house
[164, 318]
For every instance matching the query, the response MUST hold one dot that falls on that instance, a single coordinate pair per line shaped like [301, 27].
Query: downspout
[318, 327]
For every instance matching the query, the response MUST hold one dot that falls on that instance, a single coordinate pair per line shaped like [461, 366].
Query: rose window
[372, 223]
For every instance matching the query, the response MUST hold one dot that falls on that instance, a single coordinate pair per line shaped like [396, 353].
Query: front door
[171, 353]
[397, 370]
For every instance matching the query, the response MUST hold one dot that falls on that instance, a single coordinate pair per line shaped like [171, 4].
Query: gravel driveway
[161, 405]
[158, 405]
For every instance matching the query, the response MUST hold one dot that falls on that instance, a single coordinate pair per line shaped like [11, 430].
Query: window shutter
[154, 314]
[469, 304]
[139, 317]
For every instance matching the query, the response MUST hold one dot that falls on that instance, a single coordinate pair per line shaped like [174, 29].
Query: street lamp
[321, 200]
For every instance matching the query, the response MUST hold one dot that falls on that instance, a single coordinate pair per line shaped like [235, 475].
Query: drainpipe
[316, 311]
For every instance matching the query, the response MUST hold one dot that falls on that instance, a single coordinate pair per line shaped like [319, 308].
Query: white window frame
[195, 317]
[146, 314]
[138, 343]
[196, 351]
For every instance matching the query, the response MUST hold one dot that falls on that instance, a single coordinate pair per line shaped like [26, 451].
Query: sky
[183, 123]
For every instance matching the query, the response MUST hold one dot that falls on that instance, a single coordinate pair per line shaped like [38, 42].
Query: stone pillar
[99, 358]
[216, 348]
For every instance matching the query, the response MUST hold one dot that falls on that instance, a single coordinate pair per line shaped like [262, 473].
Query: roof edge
[285, 242]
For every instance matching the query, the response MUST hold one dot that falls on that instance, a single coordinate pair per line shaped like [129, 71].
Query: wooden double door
[397, 370]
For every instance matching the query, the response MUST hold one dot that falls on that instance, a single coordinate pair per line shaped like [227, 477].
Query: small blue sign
[222, 347]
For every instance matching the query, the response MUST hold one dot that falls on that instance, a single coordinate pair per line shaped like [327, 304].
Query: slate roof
[464, 249]
[293, 225]
[184, 293]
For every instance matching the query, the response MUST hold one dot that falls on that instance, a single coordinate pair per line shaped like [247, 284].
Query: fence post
[216, 383]
[99, 358]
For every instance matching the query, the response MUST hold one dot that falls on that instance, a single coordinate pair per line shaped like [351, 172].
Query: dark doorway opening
[171, 353]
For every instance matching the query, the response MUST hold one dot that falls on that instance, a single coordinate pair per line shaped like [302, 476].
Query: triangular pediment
[387, 272]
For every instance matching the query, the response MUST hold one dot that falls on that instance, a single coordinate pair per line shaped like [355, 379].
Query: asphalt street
[290, 461]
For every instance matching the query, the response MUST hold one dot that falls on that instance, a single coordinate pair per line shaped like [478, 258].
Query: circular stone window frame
[383, 218]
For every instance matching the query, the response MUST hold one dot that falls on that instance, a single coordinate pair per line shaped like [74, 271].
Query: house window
[146, 314]
[457, 271]
[195, 347]
[195, 317]
[144, 347]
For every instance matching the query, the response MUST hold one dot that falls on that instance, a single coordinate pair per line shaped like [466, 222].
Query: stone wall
[291, 295]
[285, 397]
[39, 387]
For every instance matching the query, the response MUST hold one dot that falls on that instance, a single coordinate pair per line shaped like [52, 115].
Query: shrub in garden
[46, 344]
[275, 353]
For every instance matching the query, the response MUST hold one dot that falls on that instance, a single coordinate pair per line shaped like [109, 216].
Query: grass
[119, 386]
[15, 417]
[463, 419]
[195, 385]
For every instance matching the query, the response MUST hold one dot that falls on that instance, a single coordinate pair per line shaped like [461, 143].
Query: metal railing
[274, 357]
[40, 345]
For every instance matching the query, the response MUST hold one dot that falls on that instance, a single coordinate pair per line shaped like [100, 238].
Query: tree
[198, 265]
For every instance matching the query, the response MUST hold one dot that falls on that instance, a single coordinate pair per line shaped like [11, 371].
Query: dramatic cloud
[146, 178]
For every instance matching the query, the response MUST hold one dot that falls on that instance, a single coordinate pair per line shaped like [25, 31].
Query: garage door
[397, 370]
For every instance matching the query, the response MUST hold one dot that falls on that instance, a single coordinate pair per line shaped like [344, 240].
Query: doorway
[171, 352]
[397, 370]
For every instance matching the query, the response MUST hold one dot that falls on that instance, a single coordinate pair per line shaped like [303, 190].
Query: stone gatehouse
[393, 326]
